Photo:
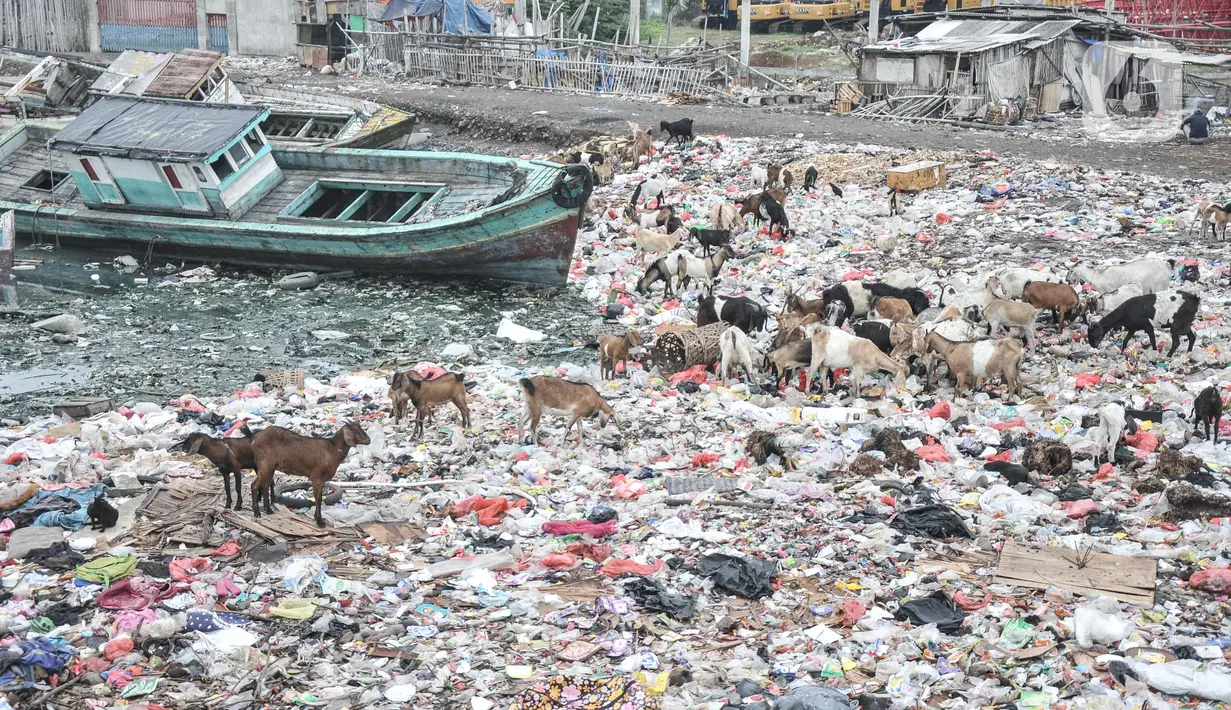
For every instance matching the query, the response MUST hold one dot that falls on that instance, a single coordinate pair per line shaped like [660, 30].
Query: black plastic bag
[935, 521]
[742, 576]
[937, 609]
[813, 697]
[653, 596]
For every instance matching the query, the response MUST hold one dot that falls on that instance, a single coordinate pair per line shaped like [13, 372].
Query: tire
[299, 495]
[299, 281]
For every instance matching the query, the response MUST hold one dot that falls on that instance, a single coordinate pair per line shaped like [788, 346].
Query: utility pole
[634, 23]
[874, 21]
[745, 36]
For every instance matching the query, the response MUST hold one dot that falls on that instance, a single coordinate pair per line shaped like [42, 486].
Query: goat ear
[348, 435]
[195, 446]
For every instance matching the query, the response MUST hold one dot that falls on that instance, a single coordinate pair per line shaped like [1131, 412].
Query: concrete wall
[264, 27]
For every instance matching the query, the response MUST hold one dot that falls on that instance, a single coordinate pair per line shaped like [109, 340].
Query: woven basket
[676, 352]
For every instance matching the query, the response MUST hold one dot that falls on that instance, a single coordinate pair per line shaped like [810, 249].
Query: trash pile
[722, 545]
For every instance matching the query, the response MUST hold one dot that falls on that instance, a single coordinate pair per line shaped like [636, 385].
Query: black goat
[1207, 409]
[657, 271]
[1167, 309]
[1014, 473]
[770, 209]
[917, 299]
[810, 176]
[709, 238]
[875, 331]
[677, 130]
[740, 311]
[583, 158]
[229, 455]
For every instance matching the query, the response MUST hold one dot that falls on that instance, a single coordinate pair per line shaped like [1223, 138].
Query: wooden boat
[198, 181]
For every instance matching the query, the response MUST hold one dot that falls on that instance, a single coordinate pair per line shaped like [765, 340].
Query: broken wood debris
[1129, 579]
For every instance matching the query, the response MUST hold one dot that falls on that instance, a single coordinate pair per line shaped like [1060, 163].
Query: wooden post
[874, 22]
[634, 22]
[594, 27]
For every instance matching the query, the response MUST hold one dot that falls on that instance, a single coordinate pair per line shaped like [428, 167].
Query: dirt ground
[562, 120]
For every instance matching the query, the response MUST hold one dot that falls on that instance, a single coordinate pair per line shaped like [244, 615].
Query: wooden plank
[1129, 579]
[916, 176]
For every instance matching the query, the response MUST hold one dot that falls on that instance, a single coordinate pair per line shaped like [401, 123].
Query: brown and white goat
[613, 349]
[788, 358]
[791, 328]
[833, 348]
[1216, 214]
[725, 216]
[552, 395]
[317, 458]
[651, 242]
[892, 309]
[969, 362]
[1060, 298]
[999, 312]
[229, 456]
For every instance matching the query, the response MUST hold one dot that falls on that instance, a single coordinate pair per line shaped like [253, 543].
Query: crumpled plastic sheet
[935, 521]
[653, 596]
[935, 609]
[743, 576]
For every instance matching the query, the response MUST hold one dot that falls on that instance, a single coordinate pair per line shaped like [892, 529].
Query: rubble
[867, 555]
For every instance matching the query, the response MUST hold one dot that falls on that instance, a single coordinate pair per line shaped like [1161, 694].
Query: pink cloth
[580, 527]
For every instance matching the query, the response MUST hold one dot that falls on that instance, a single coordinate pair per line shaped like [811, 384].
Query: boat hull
[537, 251]
[529, 238]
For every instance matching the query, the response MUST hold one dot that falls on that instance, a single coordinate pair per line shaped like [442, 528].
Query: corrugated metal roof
[146, 129]
[130, 73]
[948, 36]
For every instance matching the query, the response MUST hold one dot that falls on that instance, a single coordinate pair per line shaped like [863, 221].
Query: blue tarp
[461, 16]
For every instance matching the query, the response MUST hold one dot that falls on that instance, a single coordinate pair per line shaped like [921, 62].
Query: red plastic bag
[1142, 441]
[1081, 508]
[1217, 580]
[228, 548]
[559, 560]
[704, 459]
[614, 568]
[1088, 379]
[1006, 455]
[118, 647]
[852, 611]
[627, 489]
[940, 410]
[16, 458]
[596, 553]
[185, 569]
[1002, 426]
[856, 275]
[942, 218]
[696, 373]
[933, 452]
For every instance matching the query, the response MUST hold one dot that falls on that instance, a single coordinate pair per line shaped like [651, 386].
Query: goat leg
[256, 493]
[318, 492]
[1150, 332]
[239, 492]
[226, 487]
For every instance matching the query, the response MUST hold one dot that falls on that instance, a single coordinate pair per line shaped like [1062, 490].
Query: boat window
[196, 169]
[239, 155]
[172, 177]
[47, 180]
[253, 139]
[89, 170]
[222, 167]
[362, 202]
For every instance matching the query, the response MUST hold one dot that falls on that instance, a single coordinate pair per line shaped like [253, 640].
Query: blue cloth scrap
[68, 521]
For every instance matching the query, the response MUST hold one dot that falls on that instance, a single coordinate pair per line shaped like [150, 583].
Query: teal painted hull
[528, 238]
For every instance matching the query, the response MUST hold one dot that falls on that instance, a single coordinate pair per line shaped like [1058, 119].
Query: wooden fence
[554, 73]
[45, 25]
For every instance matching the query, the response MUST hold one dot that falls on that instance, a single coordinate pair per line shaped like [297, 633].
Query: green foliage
[612, 17]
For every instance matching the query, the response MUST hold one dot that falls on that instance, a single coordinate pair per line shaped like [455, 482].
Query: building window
[172, 177]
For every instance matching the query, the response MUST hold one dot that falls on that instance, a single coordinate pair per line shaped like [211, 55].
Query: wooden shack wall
[45, 25]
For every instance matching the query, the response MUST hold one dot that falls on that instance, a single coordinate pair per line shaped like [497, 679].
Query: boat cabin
[169, 157]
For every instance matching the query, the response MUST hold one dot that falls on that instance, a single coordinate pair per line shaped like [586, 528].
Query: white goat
[900, 279]
[1000, 313]
[737, 350]
[1153, 275]
[833, 348]
[685, 266]
[1112, 421]
[724, 215]
[1108, 302]
[759, 175]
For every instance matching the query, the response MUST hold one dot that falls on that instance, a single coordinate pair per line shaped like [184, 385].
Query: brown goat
[425, 394]
[749, 205]
[1059, 298]
[893, 309]
[552, 395]
[317, 458]
[791, 328]
[803, 306]
[614, 349]
[641, 146]
[229, 456]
